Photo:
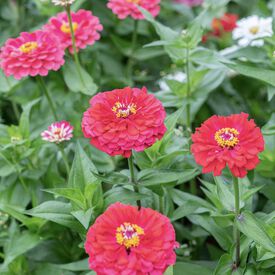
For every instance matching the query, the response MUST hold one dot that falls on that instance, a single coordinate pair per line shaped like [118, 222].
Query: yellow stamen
[127, 234]
[254, 30]
[227, 137]
[123, 110]
[133, 1]
[28, 47]
[66, 27]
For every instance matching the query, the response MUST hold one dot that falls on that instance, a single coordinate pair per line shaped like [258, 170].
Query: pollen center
[66, 27]
[124, 110]
[133, 1]
[127, 234]
[28, 47]
[227, 137]
[254, 30]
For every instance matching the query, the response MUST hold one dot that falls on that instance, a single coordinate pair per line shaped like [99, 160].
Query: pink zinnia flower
[232, 140]
[125, 8]
[190, 3]
[124, 240]
[58, 132]
[86, 28]
[31, 54]
[123, 120]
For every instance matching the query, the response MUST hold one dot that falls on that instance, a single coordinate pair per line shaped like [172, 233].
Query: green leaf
[81, 265]
[169, 270]
[84, 217]
[73, 194]
[265, 75]
[181, 268]
[254, 228]
[85, 85]
[224, 265]
[58, 212]
[82, 170]
[7, 83]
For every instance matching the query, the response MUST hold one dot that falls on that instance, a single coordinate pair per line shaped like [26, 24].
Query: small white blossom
[62, 3]
[178, 76]
[251, 30]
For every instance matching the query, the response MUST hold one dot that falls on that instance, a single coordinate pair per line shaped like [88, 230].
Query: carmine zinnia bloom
[125, 8]
[124, 240]
[190, 3]
[58, 132]
[31, 54]
[123, 120]
[86, 28]
[233, 140]
[252, 29]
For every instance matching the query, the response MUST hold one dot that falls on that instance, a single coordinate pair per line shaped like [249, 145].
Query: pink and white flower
[58, 132]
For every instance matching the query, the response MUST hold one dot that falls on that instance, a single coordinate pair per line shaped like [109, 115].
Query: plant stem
[188, 107]
[237, 212]
[130, 62]
[76, 58]
[65, 159]
[44, 89]
[15, 110]
[133, 178]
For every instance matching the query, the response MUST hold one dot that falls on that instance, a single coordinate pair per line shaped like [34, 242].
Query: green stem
[237, 212]
[130, 63]
[15, 110]
[65, 159]
[133, 178]
[188, 107]
[76, 58]
[44, 89]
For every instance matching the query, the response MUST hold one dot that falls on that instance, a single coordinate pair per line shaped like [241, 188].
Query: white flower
[178, 76]
[250, 30]
[63, 3]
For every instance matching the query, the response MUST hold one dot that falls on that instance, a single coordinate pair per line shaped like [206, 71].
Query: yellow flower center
[133, 1]
[254, 30]
[227, 137]
[66, 27]
[123, 110]
[28, 47]
[127, 234]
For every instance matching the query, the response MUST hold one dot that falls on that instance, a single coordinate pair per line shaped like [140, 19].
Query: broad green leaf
[58, 212]
[81, 265]
[84, 217]
[6, 83]
[82, 170]
[224, 265]
[73, 194]
[169, 270]
[254, 228]
[190, 268]
[76, 84]
[265, 75]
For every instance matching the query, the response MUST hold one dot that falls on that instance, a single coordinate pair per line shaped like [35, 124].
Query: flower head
[123, 120]
[125, 8]
[124, 240]
[58, 132]
[233, 140]
[86, 29]
[63, 3]
[227, 23]
[250, 30]
[190, 3]
[31, 54]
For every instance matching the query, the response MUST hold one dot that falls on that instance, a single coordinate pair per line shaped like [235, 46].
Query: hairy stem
[133, 178]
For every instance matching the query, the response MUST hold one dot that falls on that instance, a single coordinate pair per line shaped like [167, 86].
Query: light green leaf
[191, 269]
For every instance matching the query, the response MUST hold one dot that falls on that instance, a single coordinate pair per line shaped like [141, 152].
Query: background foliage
[45, 214]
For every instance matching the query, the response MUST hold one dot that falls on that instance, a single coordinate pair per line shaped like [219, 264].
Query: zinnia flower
[233, 140]
[63, 3]
[125, 8]
[58, 132]
[31, 54]
[250, 30]
[86, 28]
[190, 3]
[126, 241]
[123, 120]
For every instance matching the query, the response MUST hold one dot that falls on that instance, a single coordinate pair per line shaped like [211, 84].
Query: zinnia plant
[125, 240]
